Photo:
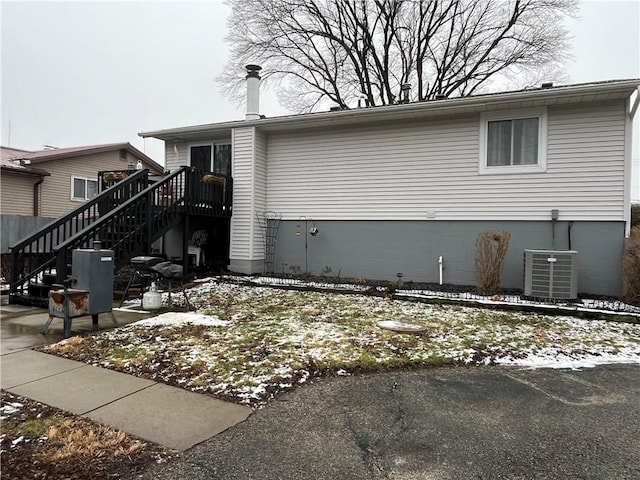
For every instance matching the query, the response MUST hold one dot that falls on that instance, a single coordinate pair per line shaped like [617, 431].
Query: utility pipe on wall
[36, 196]
[441, 266]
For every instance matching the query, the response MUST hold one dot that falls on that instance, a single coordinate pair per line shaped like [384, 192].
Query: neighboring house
[74, 172]
[46, 184]
[20, 185]
[392, 189]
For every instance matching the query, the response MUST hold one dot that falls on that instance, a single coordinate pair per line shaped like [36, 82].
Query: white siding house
[394, 188]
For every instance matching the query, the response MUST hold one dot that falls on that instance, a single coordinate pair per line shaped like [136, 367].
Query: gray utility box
[92, 270]
[551, 274]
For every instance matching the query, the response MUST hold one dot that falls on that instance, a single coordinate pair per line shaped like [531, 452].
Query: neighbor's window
[83, 188]
[513, 142]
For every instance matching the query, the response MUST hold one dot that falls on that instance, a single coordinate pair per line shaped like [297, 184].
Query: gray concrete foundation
[246, 266]
[382, 249]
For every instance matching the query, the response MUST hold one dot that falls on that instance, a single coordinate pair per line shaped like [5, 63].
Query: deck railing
[132, 227]
[36, 253]
[127, 218]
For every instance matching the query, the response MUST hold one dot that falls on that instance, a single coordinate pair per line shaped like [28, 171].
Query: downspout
[36, 196]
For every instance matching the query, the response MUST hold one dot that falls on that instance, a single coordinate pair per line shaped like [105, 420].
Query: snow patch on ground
[181, 318]
[10, 408]
[553, 359]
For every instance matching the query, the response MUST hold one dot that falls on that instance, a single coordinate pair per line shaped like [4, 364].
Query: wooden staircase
[126, 218]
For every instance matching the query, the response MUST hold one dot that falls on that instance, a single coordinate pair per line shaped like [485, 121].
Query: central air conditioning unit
[551, 274]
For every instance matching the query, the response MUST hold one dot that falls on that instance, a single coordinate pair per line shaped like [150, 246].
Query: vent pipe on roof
[253, 92]
[405, 89]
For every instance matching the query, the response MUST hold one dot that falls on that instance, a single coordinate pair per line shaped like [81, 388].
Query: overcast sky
[83, 73]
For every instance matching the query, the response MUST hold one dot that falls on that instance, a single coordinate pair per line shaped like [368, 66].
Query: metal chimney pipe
[253, 92]
[405, 89]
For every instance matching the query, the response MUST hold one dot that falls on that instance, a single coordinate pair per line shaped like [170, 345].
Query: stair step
[127, 236]
[39, 290]
[28, 300]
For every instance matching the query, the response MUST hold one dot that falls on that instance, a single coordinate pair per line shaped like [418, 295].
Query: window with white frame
[83, 188]
[513, 141]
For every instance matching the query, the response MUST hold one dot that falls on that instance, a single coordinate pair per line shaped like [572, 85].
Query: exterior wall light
[298, 230]
[314, 231]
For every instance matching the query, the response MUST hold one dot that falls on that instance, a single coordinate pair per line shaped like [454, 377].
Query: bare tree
[363, 51]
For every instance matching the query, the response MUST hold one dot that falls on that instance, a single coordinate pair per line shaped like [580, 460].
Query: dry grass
[75, 441]
[42, 442]
[491, 248]
[631, 267]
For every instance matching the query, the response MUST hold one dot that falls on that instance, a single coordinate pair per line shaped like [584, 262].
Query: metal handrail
[147, 215]
[130, 227]
[40, 245]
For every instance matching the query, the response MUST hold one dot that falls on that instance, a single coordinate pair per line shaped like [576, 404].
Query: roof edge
[550, 93]
[55, 154]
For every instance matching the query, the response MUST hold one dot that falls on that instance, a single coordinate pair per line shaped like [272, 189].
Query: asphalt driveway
[441, 423]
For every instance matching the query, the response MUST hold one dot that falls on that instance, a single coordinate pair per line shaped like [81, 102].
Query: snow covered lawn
[247, 344]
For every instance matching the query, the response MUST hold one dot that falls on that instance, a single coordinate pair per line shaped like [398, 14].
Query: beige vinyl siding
[242, 219]
[430, 170]
[16, 193]
[586, 146]
[56, 189]
[375, 172]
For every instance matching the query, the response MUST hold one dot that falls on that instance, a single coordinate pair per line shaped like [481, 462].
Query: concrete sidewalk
[169, 416]
[166, 415]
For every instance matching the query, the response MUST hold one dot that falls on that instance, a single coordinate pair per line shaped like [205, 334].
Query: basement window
[513, 141]
[83, 189]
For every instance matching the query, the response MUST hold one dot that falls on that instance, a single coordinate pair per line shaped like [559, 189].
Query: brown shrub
[6, 267]
[635, 214]
[491, 248]
[631, 267]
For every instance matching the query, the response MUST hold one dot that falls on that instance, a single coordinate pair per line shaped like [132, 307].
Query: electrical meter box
[92, 270]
